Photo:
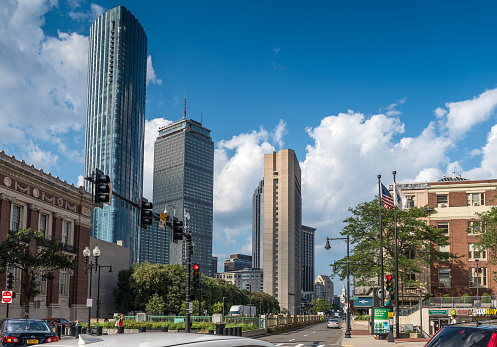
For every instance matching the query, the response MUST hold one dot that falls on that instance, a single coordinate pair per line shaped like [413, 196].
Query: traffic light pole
[188, 271]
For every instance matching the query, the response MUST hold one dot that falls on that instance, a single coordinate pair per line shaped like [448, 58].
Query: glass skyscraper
[183, 181]
[115, 121]
[257, 222]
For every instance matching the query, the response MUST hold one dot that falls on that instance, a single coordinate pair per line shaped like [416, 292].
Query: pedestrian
[119, 323]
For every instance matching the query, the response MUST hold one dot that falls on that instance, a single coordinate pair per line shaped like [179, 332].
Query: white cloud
[279, 133]
[89, 16]
[42, 77]
[81, 181]
[151, 132]
[391, 109]
[151, 77]
[45, 160]
[463, 115]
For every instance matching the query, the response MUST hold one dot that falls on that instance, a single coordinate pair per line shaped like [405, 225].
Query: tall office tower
[307, 258]
[214, 266]
[324, 287]
[115, 121]
[257, 203]
[152, 246]
[183, 182]
[282, 228]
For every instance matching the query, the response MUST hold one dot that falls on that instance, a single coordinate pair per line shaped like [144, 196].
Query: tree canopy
[137, 286]
[418, 243]
[485, 230]
[36, 258]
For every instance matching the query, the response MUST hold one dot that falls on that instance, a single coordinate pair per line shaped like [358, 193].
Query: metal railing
[453, 302]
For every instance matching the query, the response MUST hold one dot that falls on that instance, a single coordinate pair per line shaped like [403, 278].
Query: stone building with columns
[31, 198]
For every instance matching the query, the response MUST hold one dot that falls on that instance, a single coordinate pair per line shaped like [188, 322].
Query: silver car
[160, 339]
[333, 323]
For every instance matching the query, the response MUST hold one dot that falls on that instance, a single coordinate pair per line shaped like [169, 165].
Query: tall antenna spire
[184, 111]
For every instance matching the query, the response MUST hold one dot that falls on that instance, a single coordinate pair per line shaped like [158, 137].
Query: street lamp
[89, 265]
[327, 247]
[477, 279]
[98, 287]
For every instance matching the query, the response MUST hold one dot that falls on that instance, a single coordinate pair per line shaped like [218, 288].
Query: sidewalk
[361, 337]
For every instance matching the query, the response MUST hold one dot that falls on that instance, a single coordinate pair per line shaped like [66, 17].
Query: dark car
[465, 335]
[22, 332]
[58, 321]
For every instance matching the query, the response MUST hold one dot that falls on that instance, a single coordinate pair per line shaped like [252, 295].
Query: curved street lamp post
[89, 265]
[327, 247]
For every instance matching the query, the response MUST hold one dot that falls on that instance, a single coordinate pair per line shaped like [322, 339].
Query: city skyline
[357, 89]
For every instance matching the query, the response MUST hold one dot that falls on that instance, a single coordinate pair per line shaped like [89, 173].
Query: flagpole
[397, 330]
[382, 285]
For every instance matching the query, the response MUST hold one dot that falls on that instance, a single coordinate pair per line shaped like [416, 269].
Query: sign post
[7, 299]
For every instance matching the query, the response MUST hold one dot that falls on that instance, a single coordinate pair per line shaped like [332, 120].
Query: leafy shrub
[466, 299]
[447, 299]
[363, 317]
[485, 298]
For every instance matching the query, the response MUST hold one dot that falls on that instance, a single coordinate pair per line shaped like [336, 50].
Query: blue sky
[356, 88]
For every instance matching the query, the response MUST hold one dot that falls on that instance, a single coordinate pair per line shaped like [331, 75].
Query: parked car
[58, 321]
[21, 332]
[333, 323]
[465, 335]
[159, 339]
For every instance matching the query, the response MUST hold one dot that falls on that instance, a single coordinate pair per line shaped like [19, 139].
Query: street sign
[390, 314]
[6, 296]
[162, 224]
[163, 216]
[89, 302]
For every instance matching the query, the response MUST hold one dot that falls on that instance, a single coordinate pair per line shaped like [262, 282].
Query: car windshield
[462, 336]
[23, 326]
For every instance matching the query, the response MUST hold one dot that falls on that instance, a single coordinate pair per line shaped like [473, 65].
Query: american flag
[386, 198]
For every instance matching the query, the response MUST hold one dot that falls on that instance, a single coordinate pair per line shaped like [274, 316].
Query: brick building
[455, 203]
[31, 198]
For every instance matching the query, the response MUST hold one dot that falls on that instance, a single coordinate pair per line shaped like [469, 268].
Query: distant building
[307, 254]
[282, 228]
[249, 279]
[237, 262]
[115, 122]
[324, 287]
[183, 182]
[257, 222]
[214, 265]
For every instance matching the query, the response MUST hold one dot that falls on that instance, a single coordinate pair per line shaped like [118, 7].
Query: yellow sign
[390, 314]
[163, 217]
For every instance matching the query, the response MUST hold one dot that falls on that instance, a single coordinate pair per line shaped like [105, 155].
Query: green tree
[217, 307]
[321, 305]
[36, 258]
[485, 230]
[417, 243]
[156, 305]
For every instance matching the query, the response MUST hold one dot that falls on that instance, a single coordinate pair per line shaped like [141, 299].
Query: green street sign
[437, 312]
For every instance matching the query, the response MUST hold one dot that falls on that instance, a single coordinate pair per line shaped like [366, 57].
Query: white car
[160, 339]
[333, 323]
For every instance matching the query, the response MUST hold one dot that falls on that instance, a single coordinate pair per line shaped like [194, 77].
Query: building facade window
[442, 200]
[410, 201]
[444, 229]
[444, 278]
[64, 282]
[481, 278]
[475, 199]
[16, 217]
[42, 284]
[475, 253]
[473, 227]
[43, 224]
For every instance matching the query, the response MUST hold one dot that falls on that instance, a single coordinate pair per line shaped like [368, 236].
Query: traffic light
[103, 188]
[177, 230]
[10, 281]
[147, 216]
[196, 276]
[389, 282]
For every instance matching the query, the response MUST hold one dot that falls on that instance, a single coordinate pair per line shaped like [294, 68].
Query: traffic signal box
[103, 190]
[177, 230]
[10, 281]
[147, 216]
[389, 288]
[196, 276]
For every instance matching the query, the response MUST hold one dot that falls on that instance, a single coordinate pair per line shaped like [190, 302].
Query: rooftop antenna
[184, 111]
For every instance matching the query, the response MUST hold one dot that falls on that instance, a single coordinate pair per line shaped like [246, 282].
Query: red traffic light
[389, 277]
[195, 267]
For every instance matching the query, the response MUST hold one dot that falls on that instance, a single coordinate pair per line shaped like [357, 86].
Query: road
[314, 335]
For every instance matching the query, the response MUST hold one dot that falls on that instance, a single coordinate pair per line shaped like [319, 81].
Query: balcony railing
[454, 302]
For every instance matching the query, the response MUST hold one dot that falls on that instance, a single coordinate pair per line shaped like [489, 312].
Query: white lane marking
[279, 344]
[320, 345]
[299, 345]
[291, 340]
[306, 334]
